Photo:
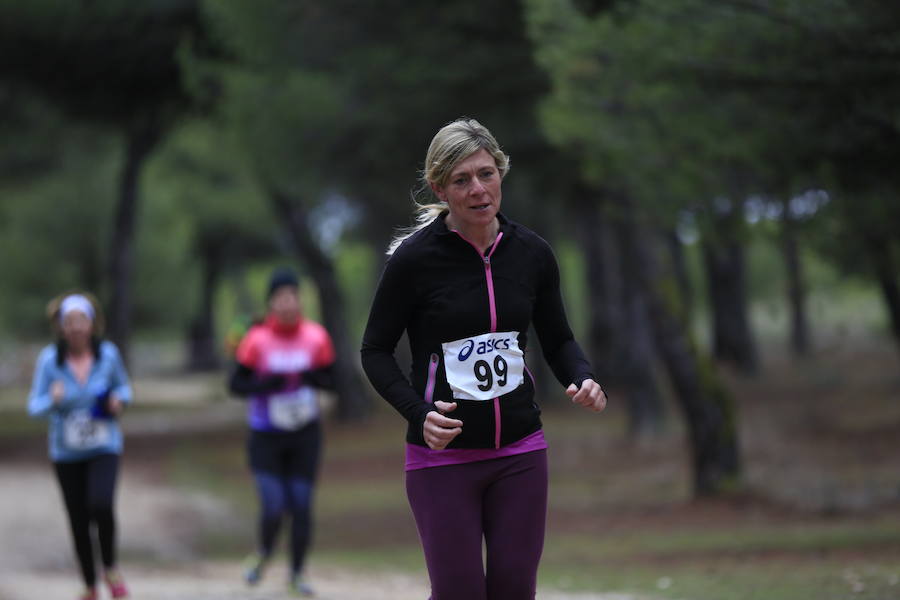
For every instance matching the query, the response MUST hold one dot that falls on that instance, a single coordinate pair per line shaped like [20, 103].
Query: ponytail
[424, 215]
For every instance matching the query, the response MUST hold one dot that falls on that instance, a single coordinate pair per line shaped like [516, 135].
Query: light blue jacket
[75, 433]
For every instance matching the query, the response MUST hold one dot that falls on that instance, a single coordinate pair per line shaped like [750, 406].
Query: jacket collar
[282, 329]
[439, 225]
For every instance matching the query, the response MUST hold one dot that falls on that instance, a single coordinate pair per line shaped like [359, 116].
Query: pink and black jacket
[276, 366]
[459, 309]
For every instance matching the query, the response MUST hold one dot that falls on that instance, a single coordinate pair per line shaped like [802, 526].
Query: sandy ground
[216, 582]
[37, 563]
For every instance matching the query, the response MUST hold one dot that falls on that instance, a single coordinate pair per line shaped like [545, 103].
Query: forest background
[718, 180]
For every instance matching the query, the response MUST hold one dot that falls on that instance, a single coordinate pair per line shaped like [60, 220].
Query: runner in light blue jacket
[97, 433]
[80, 386]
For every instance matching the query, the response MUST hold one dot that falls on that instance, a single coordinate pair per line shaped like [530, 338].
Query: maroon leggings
[502, 501]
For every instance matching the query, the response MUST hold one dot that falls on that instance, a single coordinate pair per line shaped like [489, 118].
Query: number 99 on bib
[484, 367]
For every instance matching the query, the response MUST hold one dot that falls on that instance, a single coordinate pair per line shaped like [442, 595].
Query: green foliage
[355, 91]
[357, 273]
[620, 106]
[287, 124]
[688, 106]
[105, 61]
[574, 293]
[53, 232]
[674, 102]
[164, 265]
[685, 99]
[202, 175]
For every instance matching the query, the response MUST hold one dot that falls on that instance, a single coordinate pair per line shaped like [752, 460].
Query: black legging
[88, 488]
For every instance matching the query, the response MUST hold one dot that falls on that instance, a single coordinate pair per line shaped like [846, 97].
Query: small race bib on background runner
[292, 410]
[83, 432]
[484, 366]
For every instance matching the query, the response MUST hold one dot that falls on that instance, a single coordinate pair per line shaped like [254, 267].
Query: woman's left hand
[114, 405]
[590, 395]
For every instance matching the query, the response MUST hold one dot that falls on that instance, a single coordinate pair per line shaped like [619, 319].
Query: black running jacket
[464, 314]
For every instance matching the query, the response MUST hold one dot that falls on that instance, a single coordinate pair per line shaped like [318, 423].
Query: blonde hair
[452, 144]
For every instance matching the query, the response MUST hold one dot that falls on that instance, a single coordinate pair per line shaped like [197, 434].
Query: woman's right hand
[438, 429]
[57, 391]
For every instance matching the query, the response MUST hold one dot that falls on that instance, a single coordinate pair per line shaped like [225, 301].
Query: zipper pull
[487, 261]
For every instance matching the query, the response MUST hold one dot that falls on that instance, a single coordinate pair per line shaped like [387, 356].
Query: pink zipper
[493, 310]
[487, 275]
[490, 284]
[530, 376]
[429, 386]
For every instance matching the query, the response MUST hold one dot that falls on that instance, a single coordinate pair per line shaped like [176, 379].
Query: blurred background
[719, 180]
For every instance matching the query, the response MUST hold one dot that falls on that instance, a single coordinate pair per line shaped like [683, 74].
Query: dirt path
[36, 559]
[216, 581]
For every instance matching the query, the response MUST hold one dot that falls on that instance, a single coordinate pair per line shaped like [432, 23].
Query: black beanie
[282, 276]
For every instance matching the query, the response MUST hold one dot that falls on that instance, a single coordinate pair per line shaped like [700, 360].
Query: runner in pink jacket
[280, 363]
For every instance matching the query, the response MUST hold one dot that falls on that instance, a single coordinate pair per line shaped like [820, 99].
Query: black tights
[88, 488]
[284, 466]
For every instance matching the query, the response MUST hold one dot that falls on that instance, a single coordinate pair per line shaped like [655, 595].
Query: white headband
[76, 302]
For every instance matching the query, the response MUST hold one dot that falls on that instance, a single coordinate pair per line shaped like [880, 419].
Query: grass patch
[336, 498]
[731, 540]
[18, 425]
[823, 579]
[407, 559]
[215, 467]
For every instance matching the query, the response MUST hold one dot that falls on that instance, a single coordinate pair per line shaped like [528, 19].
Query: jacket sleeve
[322, 378]
[391, 311]
[40, 402]
[560, 349]
[119, 383]
[244, 381]
[321, 375]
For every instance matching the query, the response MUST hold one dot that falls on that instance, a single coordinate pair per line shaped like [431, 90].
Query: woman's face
[472, 191]
[77, 328]
[285, 304]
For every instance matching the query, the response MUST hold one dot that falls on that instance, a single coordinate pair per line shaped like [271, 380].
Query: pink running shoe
[116, 585]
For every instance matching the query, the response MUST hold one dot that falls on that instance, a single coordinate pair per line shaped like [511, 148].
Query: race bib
[484, 366]
[82, 432]
[292, 410]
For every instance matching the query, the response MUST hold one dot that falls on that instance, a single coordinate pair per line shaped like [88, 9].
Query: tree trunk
[679, 266]
[887, 273]
[796, 285]
[620, 341]
[723, 255]
[202, 354]
[140, 141]
[354, 402]
[244, 300]
[606, 331]
[93, 266]
[645, 407]
[707, 406]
